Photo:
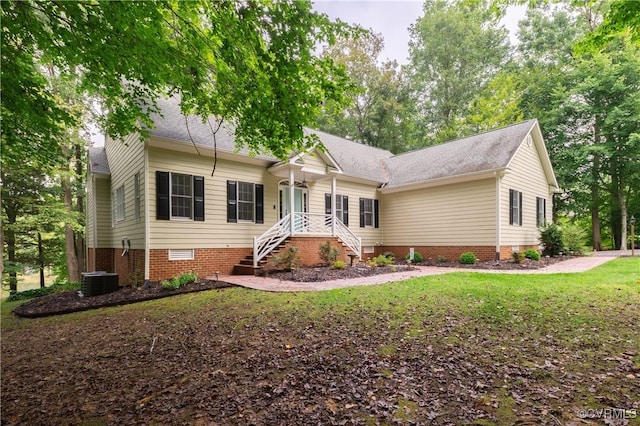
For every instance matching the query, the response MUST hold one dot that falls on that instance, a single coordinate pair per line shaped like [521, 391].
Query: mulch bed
[503, 265]
[320, 273]
[70, 301]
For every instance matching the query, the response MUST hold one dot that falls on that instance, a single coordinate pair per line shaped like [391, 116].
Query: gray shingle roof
[488, 151]
[98, 160]
[171, 124]
[356, 159]
[474, 154]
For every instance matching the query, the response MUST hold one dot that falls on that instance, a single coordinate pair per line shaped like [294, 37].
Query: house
[176, 202]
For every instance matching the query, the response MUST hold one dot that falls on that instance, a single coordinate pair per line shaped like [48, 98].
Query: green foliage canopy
[251, 63]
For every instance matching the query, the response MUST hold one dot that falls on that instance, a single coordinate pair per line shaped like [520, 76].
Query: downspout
[333, 206]
[147, 225]
[499, 176]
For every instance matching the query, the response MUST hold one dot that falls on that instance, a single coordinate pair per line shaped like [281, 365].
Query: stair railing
[350, 239]
[267, 242]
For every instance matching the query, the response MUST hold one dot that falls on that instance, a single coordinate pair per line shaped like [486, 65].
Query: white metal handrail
[267, 242]
[303, 224]
[311, 223]
[349, 238]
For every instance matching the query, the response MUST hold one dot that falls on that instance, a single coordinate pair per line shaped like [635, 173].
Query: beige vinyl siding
[103, 213]
[314, 162]
[215, 231]
[461, 214]
[524, 174]
[355, 191]
[126, 158]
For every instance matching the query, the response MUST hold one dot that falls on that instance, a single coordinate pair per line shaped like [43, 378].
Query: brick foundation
[206, 262]
[100, 259]
[309, 249]
[451, 253]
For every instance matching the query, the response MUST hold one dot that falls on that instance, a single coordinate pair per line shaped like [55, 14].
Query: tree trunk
[11, 257]
[41, 260]
[623, 218]
[70, 249]
[595, 200]
[616, 206]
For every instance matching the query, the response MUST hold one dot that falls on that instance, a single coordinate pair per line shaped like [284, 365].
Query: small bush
[287, 260]
[518, 257]
[179, 281]
[338, 264]
[381, 260]
[551, 239]
[389, 255]
[574, 238]
[532, 254]
[39, 292]
[468, 258]
[171, 284]
[328, 253]
[417, 257]
[441, 259]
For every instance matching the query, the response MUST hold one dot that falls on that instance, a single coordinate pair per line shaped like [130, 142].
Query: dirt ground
[379, 356]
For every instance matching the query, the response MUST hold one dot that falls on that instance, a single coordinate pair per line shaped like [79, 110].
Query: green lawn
[461, 348]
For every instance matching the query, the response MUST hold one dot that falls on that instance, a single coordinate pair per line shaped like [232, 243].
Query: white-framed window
[246, 201]
[181, 196]
[136, 195]
[515, 207]
[181, 254]
[119, 206]
[340, 208]
[368, 213]
[541, 211]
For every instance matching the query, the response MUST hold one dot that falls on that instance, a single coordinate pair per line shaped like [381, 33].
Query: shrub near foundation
[328, 253]
[468, 258]
[417, 257]
[532, 254]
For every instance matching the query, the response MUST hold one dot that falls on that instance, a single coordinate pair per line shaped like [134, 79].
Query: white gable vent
[182, 254]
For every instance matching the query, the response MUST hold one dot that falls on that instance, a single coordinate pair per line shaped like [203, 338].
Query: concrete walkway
[578, 264]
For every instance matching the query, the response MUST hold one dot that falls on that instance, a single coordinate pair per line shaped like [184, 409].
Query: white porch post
[333, 206]
[291, 199]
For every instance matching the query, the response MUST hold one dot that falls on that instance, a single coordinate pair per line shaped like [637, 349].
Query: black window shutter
[511, 207]
[198, 198]
[520, 209]
[232, 201]
[361, 212]
[327, 203]
[345, 210]
[162, 195]
[259, 203]
[376, 220]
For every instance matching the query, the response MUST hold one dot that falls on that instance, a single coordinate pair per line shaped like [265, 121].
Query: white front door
[300, 204]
